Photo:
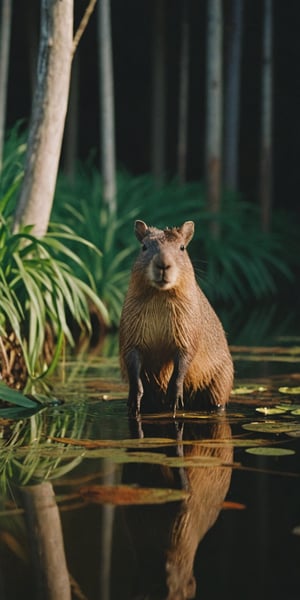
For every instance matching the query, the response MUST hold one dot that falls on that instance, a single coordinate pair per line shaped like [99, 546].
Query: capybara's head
[163, 256]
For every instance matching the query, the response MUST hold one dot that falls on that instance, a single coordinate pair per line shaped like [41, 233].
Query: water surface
[95, 506]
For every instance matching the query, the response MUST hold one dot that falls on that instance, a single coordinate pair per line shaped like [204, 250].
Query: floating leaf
[271, 427]
[224, 443]
[295, 433]
[296, 412]
[128, 495]
[270, 410]
[285, 407]
[249, 388]
[289, 390]
[193, 461]
[273, 451]
[227, 505]
[131, 443]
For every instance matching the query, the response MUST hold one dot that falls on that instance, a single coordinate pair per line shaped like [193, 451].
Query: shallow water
[156, 509]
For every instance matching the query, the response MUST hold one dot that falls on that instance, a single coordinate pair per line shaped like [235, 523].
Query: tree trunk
[70, 150]
[5, 31]
[107, 136]
[183, 94]
[214, 111]
[32, 42]
[48, 116]
[266, 122]
[159, 94]
[232, 98]
[46, 542]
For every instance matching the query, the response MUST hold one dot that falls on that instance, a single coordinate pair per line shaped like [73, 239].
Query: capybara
[172, 344]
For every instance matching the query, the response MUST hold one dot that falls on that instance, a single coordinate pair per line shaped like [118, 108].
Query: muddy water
[96, 507]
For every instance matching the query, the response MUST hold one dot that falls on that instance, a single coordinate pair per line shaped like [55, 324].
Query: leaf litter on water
[130, 495]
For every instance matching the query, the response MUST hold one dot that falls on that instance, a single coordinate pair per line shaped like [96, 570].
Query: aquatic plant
[45, 288]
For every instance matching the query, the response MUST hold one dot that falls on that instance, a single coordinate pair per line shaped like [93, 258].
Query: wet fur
[159, 325]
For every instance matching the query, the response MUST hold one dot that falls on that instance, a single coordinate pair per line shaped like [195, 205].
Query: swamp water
[97, 507]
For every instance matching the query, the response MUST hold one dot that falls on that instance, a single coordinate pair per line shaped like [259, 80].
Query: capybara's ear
[140, 230]
[187, 231]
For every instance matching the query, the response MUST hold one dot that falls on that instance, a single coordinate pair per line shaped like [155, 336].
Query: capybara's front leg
[136, 390]
[175, 386]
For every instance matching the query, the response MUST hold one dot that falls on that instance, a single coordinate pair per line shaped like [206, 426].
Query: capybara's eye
[144, 247]
[182, 247]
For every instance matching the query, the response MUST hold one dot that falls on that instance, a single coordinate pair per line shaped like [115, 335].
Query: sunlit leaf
[127, 495]
[289, 390]
[296, 412]
[249, 388]
[270, 410]
[270, 451]
[271, 427]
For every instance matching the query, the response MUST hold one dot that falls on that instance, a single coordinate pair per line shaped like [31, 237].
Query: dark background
[132, 32]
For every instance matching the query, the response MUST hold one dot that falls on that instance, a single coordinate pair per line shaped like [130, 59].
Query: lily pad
[295, 433]
[130, 495]
[270, 451]
[271, 427]
[289, 390]
[249, 388]
[288, 407]
[270, 410]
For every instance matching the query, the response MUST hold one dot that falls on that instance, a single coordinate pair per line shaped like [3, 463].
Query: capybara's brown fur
[172, 344]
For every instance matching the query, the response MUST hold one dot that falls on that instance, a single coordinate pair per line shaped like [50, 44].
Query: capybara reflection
[165, 538]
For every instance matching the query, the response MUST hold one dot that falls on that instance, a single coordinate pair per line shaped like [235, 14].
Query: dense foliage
[44, 285]
[85, 259]
[242, 265]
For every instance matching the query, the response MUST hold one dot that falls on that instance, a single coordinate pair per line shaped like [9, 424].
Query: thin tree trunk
[214, 116]
[32, 41]
[107, 136]
[183, 94]
[159, 94]
[46, 541]
[232, 98]
[71, 129]
[48, 116]
[5, 32]
[266, 116]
